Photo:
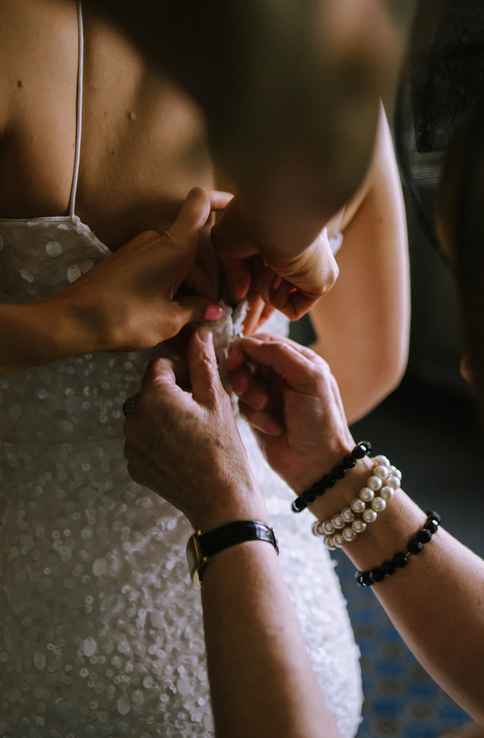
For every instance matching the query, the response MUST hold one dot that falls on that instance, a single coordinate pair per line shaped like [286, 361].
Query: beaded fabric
[101, 631]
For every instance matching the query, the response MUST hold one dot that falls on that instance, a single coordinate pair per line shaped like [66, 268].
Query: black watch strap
[239, 531]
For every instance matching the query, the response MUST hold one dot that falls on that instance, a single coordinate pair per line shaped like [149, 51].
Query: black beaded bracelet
[401, 559]
[362, 449]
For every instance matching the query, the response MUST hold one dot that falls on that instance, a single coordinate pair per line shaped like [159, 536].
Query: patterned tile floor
[401, 701]
[434, 439]
[432, 435]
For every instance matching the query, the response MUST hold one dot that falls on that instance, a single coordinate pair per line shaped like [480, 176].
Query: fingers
[254, 312]
[262, 421]
[253, 392]
[203, 368]
[237, 278]
[192, 216]
[297, 371]
[265, 315]
[219, 199]
[193, 309]
[159, 371]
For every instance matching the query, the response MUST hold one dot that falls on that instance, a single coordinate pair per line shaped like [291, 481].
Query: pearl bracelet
[383, 482]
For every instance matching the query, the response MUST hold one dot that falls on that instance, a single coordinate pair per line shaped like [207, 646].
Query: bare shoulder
[26, 27]
[381, 164]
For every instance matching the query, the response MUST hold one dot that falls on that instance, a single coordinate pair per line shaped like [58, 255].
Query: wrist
[344, 492]
[313, 472]
[228, 505]
[77, 326]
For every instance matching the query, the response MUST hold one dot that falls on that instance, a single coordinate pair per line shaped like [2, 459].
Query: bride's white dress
[100, 629]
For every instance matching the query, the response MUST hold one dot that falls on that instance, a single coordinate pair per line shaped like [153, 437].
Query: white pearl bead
[338, 540]
[359, 526]
[381, 471]
[316, 528]
[393, 482]
[378, 505]
[386, 493]
[369, 516]
[374, 483]
[366, 494]
[358, 506]
[328, 528]
[348, 535]
[396, 472]
[348, 515]
[328, 541]
[338, 522]
[381, 460]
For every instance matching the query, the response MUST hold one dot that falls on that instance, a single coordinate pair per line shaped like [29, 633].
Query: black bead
[415, 547]
[433, 516]
[431, 526]
[298, 504]
[400, 560]
[331, 480]
[348, 462]
[388, 567]
[359, 451]
[365, 578]
[339, 472]
[310, 498]
[378, 574]
[423, 536]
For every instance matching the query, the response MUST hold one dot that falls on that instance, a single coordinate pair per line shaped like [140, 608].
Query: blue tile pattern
[401, 700]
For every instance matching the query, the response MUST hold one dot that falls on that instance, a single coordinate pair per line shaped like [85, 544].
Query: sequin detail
[101, 632]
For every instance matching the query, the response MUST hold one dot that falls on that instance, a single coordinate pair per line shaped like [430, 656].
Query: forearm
[436, 602]
[39, 333]
[260, 677]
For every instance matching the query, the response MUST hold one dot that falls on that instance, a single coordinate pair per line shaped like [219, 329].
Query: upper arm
[363, 323]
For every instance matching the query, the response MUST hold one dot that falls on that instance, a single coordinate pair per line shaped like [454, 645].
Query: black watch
[202, 546]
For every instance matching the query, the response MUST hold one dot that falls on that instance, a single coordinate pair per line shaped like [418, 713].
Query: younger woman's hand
[128, 301]
[291, 399]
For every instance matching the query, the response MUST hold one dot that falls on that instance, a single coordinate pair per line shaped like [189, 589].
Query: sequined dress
[100, 629]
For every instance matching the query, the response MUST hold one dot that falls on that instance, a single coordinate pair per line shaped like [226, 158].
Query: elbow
[380, 379]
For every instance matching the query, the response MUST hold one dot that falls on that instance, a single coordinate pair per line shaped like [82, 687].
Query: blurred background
[428, 427]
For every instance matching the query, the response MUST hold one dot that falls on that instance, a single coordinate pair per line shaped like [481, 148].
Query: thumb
[195, 310]
[159, 376]
[160, 386]
[202, 364]
[194, 213]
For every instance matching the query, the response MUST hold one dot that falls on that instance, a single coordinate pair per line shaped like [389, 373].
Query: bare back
[143, 144]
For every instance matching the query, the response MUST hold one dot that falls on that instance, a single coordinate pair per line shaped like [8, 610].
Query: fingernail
[213, 312]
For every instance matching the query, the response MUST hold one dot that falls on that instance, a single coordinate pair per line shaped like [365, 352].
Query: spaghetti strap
[79, 109]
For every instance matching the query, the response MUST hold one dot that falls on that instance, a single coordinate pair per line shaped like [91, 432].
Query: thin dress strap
[79, 109]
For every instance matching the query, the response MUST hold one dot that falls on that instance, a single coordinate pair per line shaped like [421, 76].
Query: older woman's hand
[290, 397]
[186, 446]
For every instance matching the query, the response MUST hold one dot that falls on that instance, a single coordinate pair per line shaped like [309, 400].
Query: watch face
[193, 556]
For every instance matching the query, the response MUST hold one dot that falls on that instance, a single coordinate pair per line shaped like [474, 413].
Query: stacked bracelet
[401, 559]
[372, 500]
[318, 489]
